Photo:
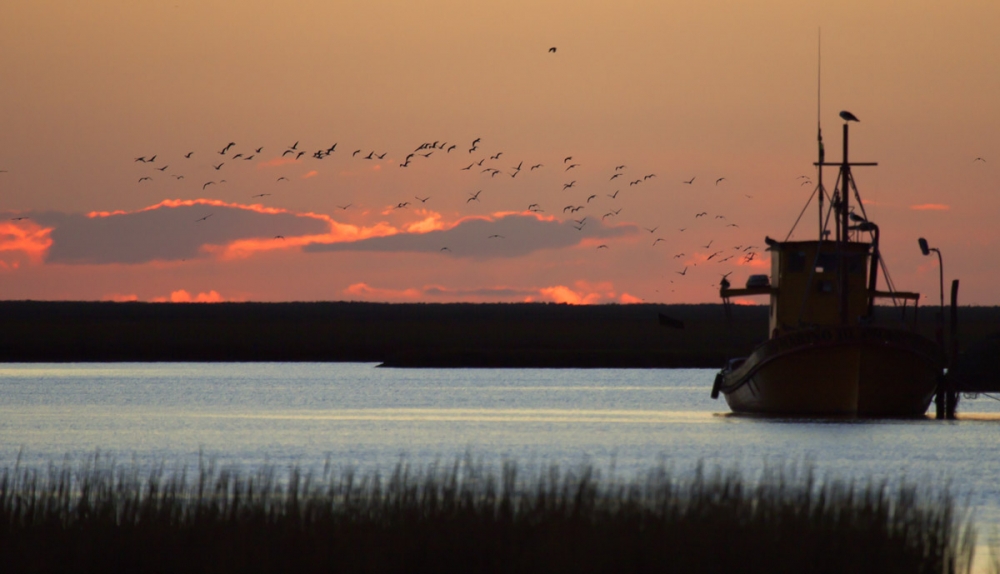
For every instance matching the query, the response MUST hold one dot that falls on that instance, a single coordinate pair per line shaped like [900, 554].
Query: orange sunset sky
[672, 91]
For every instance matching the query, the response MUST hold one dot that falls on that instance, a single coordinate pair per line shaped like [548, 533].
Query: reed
[467, 517]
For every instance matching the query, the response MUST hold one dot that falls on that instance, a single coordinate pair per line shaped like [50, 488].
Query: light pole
[944, 402]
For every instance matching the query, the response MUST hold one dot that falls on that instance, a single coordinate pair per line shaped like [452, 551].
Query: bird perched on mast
[848, 116]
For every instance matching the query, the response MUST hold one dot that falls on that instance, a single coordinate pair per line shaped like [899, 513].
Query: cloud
[174, 230]
[499, 235]
[25, 236]
[580, 293]
[120, 297]
[278, 162]
[930, 207]
[366, 292]
[182, 296]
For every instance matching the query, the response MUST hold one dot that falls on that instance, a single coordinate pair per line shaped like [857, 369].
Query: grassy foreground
[467, 518]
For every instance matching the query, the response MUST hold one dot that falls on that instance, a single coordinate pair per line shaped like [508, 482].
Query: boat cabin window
[796, 262]
[827, 263]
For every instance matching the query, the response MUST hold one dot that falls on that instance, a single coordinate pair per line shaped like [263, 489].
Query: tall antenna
[819, 129]
[819, 72]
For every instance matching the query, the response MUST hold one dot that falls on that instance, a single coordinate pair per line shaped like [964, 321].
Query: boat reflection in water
[826, 355]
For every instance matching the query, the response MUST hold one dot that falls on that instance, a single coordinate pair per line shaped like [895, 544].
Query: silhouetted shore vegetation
[464, 517]
[413, 335]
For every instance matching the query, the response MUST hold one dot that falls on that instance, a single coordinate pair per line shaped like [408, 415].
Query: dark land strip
[410, 335]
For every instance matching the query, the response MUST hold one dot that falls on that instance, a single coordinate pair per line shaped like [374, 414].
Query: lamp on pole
[927, 251]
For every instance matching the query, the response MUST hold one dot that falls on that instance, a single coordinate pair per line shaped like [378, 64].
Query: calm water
[367, 418]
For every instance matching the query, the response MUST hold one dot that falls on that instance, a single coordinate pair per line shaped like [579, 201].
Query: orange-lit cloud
[277, 162]
[508, 234]
[182, 296]
[580, 293]
[120, 297]
[930, 207]
[311, 173]
[367, 292]
[26, 237]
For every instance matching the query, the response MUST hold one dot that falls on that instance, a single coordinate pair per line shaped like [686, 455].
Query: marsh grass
[467, 517]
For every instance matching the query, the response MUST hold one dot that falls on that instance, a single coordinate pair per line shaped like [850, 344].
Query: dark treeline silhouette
[458, 334]
[467, 518]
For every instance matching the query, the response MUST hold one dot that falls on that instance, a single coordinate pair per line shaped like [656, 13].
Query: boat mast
[843, 236]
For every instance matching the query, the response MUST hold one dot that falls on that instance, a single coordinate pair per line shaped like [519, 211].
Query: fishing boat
[826, 354]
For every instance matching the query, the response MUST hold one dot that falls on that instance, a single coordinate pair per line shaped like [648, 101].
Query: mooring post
[951, 395]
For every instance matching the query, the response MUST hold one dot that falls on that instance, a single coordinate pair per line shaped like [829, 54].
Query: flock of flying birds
[602, 205]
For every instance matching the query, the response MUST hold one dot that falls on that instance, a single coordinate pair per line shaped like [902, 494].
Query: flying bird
[259, 195]
[658, 239]
[422, 199]
[496, 237]
[474, 196]
[142, 179]
[206, 185]
[218, 167]
[602, 246]
[719, 180]
[225, 149]
[188, 154]
[651, 230]
[682, 272]
[281, 178]
[552, 50]
[567, 159]
[344, 206]
[690, 181]
[613, 195]
[19, 218]
[697, 215]
[848, 116]
[979, 159]
[203, 218]
[536, 166]
[569, 185]
[281, 237]
[294, 145]
[614, 176]
[591, 197]
[571, 166]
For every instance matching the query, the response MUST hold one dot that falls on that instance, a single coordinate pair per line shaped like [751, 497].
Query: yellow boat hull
[835, 371]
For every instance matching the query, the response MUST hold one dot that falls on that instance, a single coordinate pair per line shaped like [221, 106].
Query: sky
[575, 175]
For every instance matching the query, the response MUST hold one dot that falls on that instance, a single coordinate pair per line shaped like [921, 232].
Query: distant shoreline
[492, 335]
